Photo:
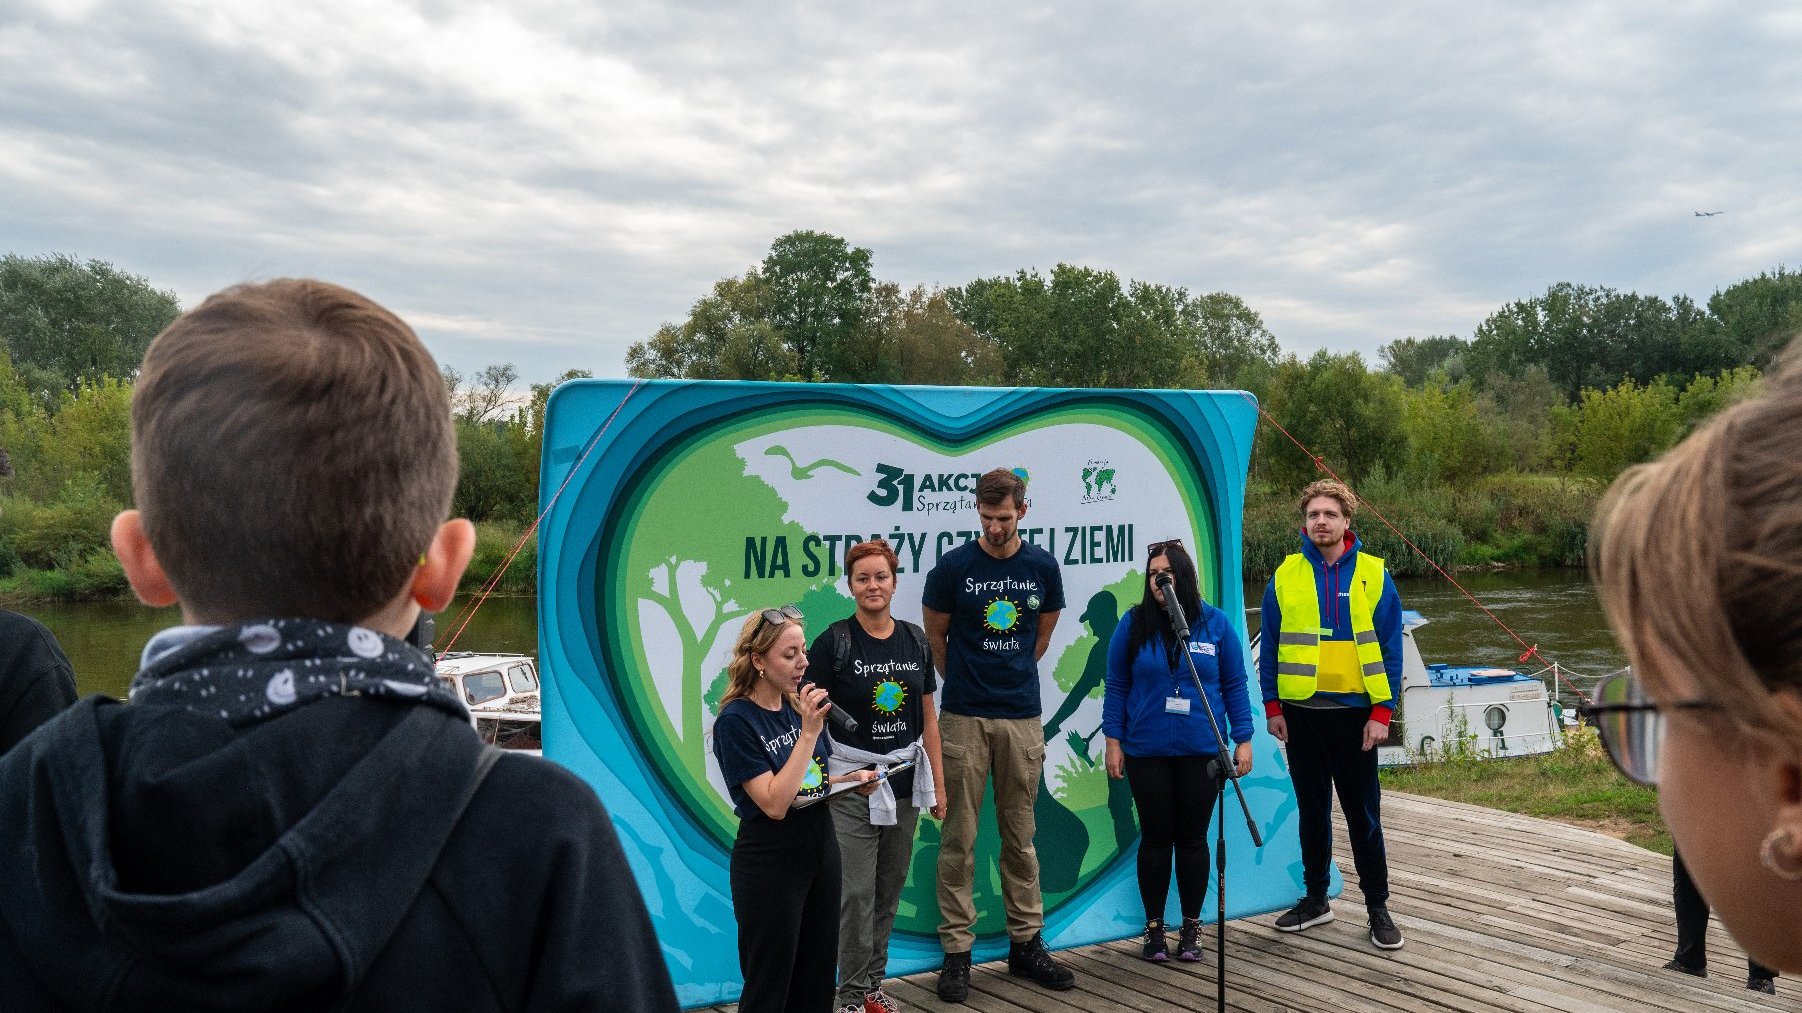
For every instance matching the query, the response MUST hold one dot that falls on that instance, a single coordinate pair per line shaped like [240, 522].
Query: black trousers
[785, 880]
[1326, 754]
[1175, 799]
[1692, 923]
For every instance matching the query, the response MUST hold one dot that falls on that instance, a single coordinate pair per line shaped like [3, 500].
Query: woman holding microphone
[785, 869]
[1160, 740]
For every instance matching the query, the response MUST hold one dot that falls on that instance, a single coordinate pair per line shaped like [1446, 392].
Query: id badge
[1176, 705]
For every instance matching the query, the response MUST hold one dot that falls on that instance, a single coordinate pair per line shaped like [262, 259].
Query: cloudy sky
[544, 182]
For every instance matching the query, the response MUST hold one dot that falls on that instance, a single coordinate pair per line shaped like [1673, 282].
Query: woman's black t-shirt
[748, 741]
[882, 686]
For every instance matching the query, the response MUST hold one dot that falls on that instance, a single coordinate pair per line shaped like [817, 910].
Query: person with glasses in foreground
[1159, 737]
[772, 753]
[1698, 557]
[1331, 674]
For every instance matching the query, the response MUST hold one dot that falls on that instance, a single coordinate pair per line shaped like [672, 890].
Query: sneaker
[1765, 985]
[954, 978]
[1682, 968]
[1383, 932]
[1155, 949]
[1188, 941]
[1311, 911]
[879, 1002]
[851, 1007]
[1031, 960]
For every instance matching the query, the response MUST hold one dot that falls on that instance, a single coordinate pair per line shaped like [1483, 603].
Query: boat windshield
[481, 687]
[522, 679]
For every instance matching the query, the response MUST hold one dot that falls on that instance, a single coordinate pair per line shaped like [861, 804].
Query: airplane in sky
[1706, 214]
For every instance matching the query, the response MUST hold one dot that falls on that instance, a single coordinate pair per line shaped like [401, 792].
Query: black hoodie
[156, 858]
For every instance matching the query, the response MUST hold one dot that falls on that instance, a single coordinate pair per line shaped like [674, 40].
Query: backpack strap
[919, 637]
[841, 648]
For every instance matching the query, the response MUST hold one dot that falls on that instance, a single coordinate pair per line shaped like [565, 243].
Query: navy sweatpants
[1326, 754]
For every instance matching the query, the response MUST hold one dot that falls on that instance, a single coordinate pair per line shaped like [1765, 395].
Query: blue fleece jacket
[1133, 710]
[1331, 583]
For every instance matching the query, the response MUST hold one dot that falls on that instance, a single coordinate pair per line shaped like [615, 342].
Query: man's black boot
[1031, 960]
[954, 977]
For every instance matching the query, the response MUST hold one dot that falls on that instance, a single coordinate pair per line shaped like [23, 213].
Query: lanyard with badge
[1176, 702]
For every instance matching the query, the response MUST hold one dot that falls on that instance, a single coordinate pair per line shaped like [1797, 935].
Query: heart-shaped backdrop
[701, 503]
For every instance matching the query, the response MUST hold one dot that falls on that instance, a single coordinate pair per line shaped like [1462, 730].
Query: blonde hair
[1698, 556]
[756, 637]
[1348, 504]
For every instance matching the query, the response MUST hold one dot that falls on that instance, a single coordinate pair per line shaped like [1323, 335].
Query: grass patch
[1573, 784]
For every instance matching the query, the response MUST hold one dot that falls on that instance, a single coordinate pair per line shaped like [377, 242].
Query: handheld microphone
[840, 720]
[1172, 607]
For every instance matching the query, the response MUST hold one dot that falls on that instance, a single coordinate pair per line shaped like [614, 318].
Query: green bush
[54, 535]
[494, 543]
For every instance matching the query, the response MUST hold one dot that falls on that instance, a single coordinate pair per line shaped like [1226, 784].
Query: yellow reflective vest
[1305, 663]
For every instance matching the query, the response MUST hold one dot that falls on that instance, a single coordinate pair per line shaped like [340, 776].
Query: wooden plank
[1503, 914]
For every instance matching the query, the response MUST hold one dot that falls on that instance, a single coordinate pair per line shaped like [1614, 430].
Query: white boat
[1453, 710]
[501, 691]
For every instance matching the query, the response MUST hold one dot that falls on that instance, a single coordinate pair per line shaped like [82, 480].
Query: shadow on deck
[1501, 912]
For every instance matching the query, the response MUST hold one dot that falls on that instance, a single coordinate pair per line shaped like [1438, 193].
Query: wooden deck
[1501, 913]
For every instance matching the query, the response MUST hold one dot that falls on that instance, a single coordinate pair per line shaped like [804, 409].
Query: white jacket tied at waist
[845, 759]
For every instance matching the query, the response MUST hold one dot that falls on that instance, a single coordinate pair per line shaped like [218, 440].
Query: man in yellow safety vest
[1330, 663]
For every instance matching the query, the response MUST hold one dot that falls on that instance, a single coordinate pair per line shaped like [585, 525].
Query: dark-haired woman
[1159, 738]
[772, 753]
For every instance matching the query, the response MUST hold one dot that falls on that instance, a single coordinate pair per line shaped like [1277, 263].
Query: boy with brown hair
[292, 811]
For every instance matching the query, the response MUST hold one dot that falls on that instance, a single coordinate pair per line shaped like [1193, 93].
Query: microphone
[840, 720]
[1173, 607]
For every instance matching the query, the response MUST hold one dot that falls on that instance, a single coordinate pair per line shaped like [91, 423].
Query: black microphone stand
[1222, 769]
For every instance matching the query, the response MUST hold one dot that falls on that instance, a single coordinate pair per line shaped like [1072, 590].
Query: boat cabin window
[482, 687]
[522, 679]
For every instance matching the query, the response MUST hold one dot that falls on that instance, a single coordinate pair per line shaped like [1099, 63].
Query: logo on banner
[1098, 484]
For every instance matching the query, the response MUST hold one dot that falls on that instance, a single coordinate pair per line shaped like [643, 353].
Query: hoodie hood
[176, 861]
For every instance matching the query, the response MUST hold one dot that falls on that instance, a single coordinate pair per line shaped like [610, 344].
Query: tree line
[1492, 446]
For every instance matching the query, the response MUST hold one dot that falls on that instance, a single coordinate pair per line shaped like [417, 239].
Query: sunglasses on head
[778, 616]
[1631, 725]
[1156, 549]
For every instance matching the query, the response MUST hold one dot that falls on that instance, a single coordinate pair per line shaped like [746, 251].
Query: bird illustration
[801, 474]
[1706, 214]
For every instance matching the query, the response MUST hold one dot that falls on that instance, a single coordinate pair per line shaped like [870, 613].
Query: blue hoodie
[1335, 614]
[1133, 709]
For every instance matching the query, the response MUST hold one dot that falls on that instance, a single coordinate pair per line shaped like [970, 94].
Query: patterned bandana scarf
[255, 671]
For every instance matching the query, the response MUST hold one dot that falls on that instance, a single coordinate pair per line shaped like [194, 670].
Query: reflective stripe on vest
[1351, 666]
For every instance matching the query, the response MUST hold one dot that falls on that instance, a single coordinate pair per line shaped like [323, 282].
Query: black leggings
[785, 879]
[1175, 798]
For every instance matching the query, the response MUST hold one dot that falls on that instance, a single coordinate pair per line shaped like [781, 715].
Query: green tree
[1610, 429]
[66, 323]
[1582, 336]
[1225, 343]
[727, 336]
[917, 338]
[815, 286]
[1450, 437]
[1413, 359]
[1347, 414]
[1758, 316]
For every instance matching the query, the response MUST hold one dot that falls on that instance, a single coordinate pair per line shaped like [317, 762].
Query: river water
[1556, 609]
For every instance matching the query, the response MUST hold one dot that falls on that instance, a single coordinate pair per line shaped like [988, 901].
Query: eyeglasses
[1631, 726]
[1156, 549]
[778, 616]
